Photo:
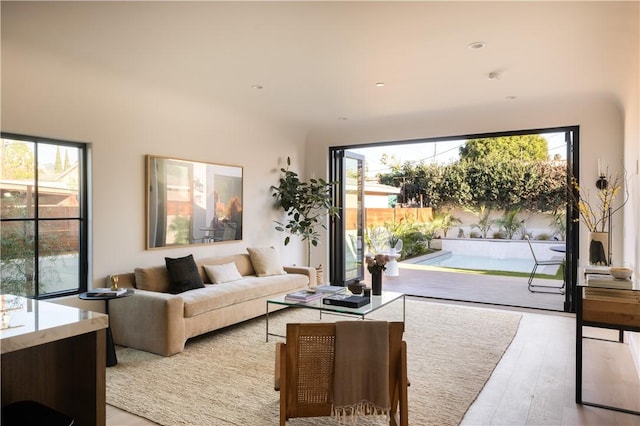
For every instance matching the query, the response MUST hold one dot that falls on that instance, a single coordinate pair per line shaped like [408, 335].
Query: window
[43, 206]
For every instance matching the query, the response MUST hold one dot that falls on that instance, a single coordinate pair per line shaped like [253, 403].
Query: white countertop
[28, 322]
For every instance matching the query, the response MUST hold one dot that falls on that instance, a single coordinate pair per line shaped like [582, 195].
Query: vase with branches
[596, 212]
[597, 209]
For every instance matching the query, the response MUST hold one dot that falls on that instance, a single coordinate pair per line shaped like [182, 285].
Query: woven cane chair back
[305, 365]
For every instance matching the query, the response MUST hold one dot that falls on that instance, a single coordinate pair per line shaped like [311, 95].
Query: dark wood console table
[611, 308]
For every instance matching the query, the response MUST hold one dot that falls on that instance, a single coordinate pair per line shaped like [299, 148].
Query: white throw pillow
[224, 273]
[265, 261]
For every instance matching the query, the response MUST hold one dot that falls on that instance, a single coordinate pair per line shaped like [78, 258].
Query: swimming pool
[482, 263]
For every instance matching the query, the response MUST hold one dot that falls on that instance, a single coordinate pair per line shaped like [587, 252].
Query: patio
[416, 280]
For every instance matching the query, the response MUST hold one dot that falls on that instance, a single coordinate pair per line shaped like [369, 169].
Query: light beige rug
[226, 377]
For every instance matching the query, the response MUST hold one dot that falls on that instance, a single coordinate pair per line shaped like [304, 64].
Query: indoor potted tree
[307, 205]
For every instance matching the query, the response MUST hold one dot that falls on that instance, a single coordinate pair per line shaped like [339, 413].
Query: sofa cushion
[183, 274]
[224, 273]
[242, 261]
[265, 261]
[248, 288]
[155, 278]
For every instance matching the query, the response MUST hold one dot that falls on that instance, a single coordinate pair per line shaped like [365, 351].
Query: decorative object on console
[599, 248]
[621, 273]
[596, 214]
[307, 205]
[177, 193]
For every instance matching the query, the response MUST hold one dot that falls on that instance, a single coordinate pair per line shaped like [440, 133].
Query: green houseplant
[307, 205]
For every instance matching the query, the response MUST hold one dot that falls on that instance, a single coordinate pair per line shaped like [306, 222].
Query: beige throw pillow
[265, 261]
[224, 273]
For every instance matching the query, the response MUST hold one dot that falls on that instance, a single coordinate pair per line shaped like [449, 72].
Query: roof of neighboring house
[372, 188]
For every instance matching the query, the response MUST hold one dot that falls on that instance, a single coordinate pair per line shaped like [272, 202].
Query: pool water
[481, 263]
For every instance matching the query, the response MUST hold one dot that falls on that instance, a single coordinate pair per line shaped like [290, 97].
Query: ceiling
[318, 63]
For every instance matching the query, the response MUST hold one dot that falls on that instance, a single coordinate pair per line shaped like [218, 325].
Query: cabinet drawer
[624, 312]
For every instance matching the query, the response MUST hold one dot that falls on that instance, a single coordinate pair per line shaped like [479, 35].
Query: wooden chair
[305, 367]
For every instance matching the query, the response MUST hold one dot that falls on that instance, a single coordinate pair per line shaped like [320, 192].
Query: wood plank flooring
[534, 383]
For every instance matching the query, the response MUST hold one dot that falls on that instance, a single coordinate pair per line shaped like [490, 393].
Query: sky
[443, 152]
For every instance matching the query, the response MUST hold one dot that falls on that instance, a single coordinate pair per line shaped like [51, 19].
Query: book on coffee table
[304, 296]
[330, 289]
[346, 300]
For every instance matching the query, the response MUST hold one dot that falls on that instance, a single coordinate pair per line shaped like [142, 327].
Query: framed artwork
[190, 202]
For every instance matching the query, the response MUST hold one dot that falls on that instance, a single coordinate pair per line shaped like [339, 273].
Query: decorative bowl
[621, 273]
[356, 287]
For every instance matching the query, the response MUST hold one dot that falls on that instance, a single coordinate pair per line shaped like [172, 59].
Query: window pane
[58, 255]
[17, 271]
[17, 179]
[58, 177]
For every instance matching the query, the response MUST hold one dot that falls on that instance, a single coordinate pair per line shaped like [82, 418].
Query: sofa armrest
[149, 321]
[304, 270]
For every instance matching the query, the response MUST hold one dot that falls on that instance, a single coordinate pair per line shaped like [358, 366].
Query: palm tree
[447, 221]
[484, 221]
[509, 222]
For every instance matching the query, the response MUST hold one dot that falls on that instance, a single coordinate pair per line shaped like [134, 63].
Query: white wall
[632, 165]
[47, 96]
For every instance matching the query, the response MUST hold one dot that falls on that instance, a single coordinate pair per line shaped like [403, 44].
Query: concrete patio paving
[416, 280]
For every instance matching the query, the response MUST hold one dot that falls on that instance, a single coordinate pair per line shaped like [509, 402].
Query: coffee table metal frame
[377, 302]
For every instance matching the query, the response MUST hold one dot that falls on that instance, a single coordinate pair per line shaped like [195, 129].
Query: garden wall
[500, 249]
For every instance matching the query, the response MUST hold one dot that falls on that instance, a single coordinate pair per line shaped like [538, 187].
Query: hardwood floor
[534, 383]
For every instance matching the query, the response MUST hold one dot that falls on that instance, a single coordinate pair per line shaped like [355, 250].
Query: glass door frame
[339, 241]
[572, 138]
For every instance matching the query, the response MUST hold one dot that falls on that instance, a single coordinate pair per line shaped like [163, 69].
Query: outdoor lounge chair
[538, 288]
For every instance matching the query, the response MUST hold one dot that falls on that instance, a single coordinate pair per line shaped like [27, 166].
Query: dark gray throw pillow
[183, 274]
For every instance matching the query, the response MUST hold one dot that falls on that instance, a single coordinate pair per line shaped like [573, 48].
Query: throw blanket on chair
[361, 383]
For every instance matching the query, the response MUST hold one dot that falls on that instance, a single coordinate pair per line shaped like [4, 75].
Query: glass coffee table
[377, 302]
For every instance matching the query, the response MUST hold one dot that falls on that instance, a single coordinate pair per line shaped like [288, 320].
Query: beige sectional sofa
[156, 321]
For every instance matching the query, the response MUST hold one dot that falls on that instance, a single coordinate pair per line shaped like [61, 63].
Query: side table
[111, 348]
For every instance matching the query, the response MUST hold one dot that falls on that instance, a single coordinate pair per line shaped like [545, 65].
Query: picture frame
[192, 202]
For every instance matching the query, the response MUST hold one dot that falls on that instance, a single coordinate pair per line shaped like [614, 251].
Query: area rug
[226, 377]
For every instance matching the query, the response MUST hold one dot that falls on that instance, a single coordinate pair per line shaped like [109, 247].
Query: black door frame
[572, 139]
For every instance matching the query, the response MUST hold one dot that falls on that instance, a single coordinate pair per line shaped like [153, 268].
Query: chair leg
[283, 384]
[531, 286]
[533, 273]
[404, 385]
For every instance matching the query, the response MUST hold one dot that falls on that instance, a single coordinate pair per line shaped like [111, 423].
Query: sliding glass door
[347, 237]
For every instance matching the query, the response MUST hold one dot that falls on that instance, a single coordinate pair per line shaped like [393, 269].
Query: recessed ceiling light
[477, 45]
[379, 84]
[257, 87]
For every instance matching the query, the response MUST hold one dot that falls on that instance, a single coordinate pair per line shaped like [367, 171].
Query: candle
[599, 167]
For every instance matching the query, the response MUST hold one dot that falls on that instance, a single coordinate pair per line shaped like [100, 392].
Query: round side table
[111, 348]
